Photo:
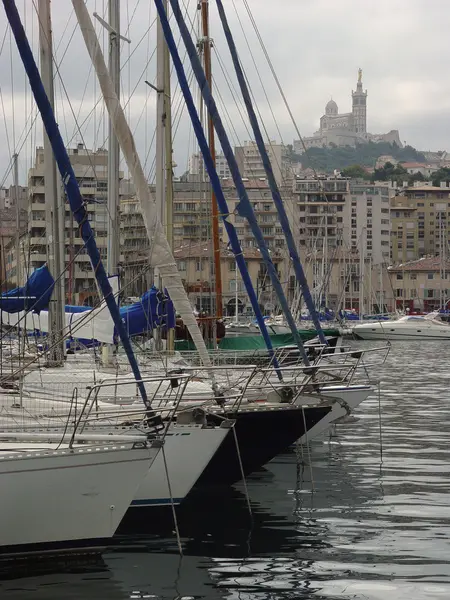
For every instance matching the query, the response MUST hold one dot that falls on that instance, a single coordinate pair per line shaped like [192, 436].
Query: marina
[213, 382]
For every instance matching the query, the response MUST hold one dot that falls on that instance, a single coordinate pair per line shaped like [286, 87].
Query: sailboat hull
[59, 499]
[187, 451]
[350, 397]
[262, 433]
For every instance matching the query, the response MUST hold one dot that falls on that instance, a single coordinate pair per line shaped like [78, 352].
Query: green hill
[328, 159]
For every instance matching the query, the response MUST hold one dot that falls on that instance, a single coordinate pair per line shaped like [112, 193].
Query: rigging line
[257, 72]
[235, 95]
[146, 34]
[280, 89]
[12, 90]
[205, 149]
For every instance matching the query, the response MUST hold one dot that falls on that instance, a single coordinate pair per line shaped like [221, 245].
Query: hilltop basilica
[346, 129]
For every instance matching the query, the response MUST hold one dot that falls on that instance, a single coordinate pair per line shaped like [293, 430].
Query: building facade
[420, 222]
[338, 212]
[421, 284]
[197, 166]
[91, 170]
[251, 166]
[195, 265]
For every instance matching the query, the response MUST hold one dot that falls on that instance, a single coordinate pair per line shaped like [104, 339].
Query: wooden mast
[214, 208]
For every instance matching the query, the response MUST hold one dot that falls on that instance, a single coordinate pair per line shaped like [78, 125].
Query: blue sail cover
[146, 314]
[153, 309]
[34, 295]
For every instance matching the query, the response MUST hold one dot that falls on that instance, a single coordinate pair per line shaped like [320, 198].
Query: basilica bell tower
[359, 106]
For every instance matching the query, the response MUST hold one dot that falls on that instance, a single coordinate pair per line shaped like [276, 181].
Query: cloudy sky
[316, 47]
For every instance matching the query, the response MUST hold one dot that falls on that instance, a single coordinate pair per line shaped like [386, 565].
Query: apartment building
[195, 265]
[338, 212]
[196, 166]
[251, 166]
[192, 226]
[420, 216]
[344, 281]
[404, 229]
[421, 284]
[91, 170]
[369, 217]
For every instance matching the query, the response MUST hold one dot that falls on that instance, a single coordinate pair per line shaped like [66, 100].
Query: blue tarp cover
[34, 295]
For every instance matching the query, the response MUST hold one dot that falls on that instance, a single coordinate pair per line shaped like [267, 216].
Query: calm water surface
[376, 527]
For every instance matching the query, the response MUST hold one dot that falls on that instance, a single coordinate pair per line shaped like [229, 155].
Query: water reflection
[367, 517]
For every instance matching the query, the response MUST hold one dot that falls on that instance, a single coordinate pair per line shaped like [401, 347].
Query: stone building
[346, 129]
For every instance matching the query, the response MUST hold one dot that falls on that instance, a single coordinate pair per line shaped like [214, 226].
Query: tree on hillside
[355, 172]
[442, 174]
[391, 172]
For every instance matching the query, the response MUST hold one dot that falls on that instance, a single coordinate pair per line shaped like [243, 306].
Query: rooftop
[426, 188]
[427, 263]
[204, 250]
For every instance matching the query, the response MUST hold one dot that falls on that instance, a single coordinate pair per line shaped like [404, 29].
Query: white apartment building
[369, 218]
[344, 213]
[197, 166]
[251, 166]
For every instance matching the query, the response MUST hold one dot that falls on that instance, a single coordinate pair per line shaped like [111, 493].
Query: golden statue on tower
[359, 75]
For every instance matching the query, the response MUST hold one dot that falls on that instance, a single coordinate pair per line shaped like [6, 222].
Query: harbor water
[363, 514]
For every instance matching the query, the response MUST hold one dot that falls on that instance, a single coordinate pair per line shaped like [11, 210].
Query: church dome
[331, 108]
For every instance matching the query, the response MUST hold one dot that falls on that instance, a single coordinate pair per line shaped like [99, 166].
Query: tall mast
[113, 145]
[16, 192]
[361, 274]
[160, 139]
[212, 146]
[53, 217]
[169, 168]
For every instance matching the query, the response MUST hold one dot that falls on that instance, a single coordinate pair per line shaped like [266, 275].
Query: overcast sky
[316, 47]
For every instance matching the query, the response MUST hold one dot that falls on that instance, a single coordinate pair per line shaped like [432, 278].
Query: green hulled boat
[256, 342]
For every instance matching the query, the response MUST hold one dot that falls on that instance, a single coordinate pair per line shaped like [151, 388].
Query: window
[430, 275]
[198, 265]
[181, 265]
[400, 276]
[399, 292]
[430, 293]
[413, 276]
[232, 265]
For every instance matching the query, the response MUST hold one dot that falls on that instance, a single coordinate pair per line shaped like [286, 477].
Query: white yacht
[409, 327]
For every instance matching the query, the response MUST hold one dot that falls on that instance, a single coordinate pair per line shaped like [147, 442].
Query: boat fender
[286, 394]
[198, 414]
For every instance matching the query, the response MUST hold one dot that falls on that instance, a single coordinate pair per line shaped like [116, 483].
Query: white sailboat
[53, 498]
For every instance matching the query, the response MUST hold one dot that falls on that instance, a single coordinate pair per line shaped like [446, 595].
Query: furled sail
[161, 256]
